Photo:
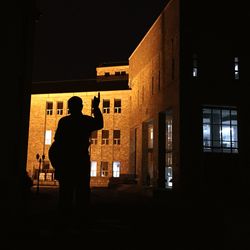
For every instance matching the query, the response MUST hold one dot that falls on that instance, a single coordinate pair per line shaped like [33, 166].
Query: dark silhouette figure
[27, 184]
[69, 155]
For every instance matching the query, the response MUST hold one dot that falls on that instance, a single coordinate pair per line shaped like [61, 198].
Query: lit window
[220, 130]
[93, 171]
[117, 137]
[104, 169]
[59, 108]
[236, 68]
[105, 137]
[150, 136]
[49, 108]
[116, 169]
[117, 106]
[106, 106]
[168, 150]
[195, 66]
[168, 177]
[48, 137]
[94, 137]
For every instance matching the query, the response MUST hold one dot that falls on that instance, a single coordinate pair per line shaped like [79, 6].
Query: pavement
[128, 217]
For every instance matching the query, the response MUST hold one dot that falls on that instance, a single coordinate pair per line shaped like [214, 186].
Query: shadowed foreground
[127, 217]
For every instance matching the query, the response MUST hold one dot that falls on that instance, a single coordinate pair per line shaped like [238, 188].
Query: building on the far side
[109, 147]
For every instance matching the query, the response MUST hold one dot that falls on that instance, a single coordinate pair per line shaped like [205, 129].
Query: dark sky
[74, 36]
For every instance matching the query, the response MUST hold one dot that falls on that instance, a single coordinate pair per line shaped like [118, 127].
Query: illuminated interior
[220, 130]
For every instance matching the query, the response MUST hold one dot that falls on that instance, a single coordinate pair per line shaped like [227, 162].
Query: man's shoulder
[64, 118]
[87, 117]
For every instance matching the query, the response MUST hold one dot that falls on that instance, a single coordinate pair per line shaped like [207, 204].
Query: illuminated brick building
[109, 147]
[184, 125]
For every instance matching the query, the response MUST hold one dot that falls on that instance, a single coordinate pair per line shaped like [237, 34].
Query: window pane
[116, 169]
[216, 116]
[106, 103]
[105, 134]
[225, 116]
[93, 171]
[234, 131]
[117, 103]
[206, 134]
[116, 134]
[59, 105]
[226, 135]
[94, 134]
[48, 137]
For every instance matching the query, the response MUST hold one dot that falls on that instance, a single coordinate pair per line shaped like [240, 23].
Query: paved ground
[130, 218]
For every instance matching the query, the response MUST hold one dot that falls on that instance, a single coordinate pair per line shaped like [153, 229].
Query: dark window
[105, 137]
[106, 106]
[49, 108]
[59, 108]
[117, 106]
[94, 137]
[117, 137]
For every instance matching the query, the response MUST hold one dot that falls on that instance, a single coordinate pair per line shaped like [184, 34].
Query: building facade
[188, 76]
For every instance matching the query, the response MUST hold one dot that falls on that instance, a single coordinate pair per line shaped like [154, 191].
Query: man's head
[75, 105]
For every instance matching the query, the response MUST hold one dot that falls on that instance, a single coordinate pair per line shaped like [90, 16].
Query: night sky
[74, 36]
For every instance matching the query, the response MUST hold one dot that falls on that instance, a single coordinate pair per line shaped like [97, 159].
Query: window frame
[106, 109]
[208, 146]
[117, 109]
[49, 111]
[105, 140]
[116, 140]
[59, 111]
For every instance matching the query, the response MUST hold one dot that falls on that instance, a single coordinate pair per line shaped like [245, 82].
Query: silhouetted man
[72, 161]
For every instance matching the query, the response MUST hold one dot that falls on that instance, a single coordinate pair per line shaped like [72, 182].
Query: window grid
[117, 106]
[59, 108]
[117, 137]
[106, 107]
[220, 130]
[49, 108]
